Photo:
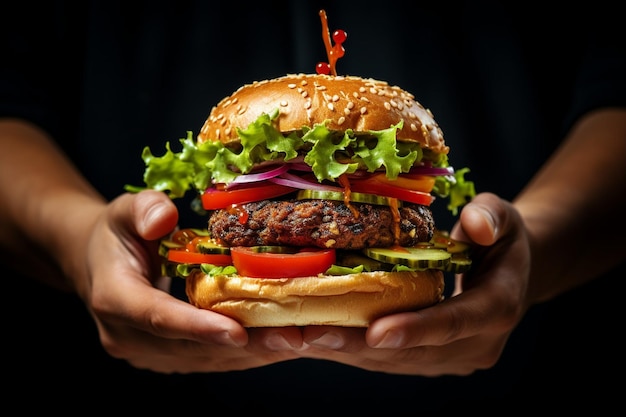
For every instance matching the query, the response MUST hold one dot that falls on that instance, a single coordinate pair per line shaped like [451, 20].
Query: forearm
[574, 207]
[46, 205]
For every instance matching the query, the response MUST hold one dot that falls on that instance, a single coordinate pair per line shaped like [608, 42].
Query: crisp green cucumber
[339, 196]
[166, 245]
[418, 258]
[459, 263]
[210, 247]
[274, 249]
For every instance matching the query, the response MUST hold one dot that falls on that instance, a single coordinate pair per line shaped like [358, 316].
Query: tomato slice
[251, 262]
[183, 256]
[415, 182]
[388, 190]
[213, 199]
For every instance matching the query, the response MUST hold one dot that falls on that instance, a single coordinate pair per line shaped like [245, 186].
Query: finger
[154, 214]
[480, 220]
[343, 339]
[265, 339]
[146, 351]
[134, 304]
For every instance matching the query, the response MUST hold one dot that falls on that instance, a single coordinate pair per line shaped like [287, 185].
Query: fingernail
[277, 342]
[488, 217]
[391, 340]
[154, 213]
[227, 340]
[328, 341]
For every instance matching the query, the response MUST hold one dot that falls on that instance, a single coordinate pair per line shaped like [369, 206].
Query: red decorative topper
[334, 52]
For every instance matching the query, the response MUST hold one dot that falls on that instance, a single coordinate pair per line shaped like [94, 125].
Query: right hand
[138, 320]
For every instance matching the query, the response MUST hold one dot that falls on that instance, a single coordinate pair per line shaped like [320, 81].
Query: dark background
[502, 83]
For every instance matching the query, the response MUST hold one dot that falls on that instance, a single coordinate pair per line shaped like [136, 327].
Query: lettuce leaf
[330, 154]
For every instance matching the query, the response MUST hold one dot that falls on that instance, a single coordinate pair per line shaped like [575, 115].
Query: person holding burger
[64, 225]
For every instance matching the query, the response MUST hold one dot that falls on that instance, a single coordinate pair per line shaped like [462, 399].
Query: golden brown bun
[349, 300]
[306, 99]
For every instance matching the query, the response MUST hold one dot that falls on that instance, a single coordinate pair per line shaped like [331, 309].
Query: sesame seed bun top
[345, 102]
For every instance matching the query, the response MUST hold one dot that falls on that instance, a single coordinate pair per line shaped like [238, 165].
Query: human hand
[138, 320]
[464, 333]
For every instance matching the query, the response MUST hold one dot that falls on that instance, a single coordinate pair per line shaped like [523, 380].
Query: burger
[317, 190]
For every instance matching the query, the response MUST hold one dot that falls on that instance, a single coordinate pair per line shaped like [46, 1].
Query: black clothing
[504, 82]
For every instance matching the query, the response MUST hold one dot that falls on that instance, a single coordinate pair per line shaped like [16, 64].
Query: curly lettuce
[330, 154]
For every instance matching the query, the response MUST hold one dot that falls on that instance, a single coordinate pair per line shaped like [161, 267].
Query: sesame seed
[283, 103]
[341, 120]
[388, 106]
[305, 94]
[291, 85]
[363, 110]
[227, 131]
[307, 104]
[350, 105]
[346, 111]
[330, 106]
[335, 97]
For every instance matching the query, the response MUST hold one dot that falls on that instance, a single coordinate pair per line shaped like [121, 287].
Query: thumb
[153, 214]
[481, 221]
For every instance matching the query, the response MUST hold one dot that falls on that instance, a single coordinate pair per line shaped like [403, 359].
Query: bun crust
[349, 300]
[347, 102]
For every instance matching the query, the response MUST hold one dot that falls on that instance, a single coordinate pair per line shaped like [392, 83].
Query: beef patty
[320, 223]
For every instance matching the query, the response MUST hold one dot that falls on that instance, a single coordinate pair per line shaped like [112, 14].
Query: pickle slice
[211, 247]
[165, 245]
[339, 196]
[274, 249]
[459, 263]
[414, 257]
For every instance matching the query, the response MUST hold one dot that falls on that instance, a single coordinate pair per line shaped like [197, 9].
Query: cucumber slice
[165, 245]
[339, 196]
[211, 247]
[414, 257]
[459, 264]
[274, 249]
[442, 240]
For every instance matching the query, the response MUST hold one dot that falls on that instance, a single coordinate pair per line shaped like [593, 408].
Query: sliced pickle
[459, 263]
[414, 257]
[211, 247]
[165, 245]
[442, 240]
[339, 196]
[274, 249]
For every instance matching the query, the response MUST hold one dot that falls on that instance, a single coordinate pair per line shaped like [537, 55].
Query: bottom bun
[353, 300]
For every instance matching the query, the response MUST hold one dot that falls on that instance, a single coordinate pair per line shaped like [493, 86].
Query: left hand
[465, 332]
